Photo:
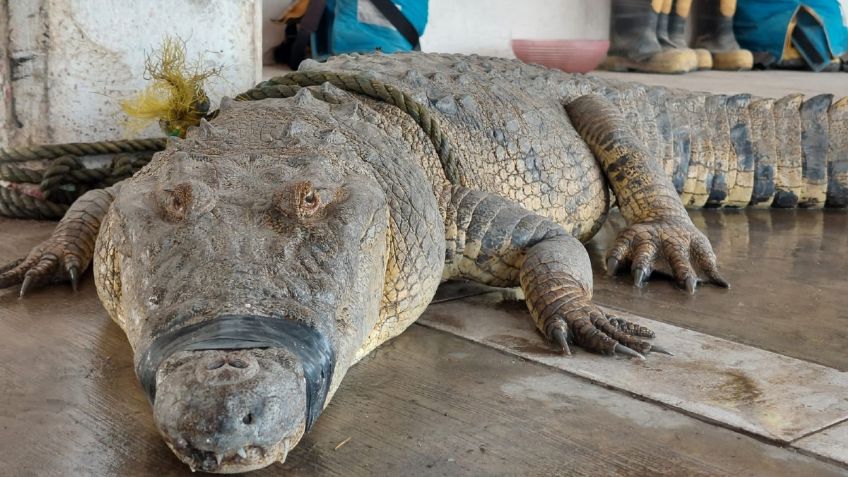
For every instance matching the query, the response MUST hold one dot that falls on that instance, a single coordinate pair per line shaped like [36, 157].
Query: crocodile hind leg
[66, 254]
[497, 242]
[658, 225]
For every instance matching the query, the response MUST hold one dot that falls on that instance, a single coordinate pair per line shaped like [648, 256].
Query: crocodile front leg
[67, 253]
[497, 242]
[658, 225]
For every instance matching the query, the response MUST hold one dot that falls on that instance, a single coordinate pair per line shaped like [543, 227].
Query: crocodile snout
[231, 411]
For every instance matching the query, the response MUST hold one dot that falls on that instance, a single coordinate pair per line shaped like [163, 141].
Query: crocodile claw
[639, 276]
[561, 338]
[691, 283]
[661, 350]
[612, 266]
[26, 285]
[620, 348]
[73, 272]
[719, 280]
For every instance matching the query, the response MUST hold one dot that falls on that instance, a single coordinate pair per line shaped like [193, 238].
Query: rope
[19, 174]
[289, 84]
[21, 206]
[68, 174]
[68, 170]
[61, 183]
[52, 151]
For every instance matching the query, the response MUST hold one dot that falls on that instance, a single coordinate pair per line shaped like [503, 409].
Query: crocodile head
[259, 218]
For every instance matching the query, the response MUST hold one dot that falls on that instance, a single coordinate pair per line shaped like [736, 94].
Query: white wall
[487, 26]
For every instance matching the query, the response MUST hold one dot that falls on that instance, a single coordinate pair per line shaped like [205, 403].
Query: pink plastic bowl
[572, 56]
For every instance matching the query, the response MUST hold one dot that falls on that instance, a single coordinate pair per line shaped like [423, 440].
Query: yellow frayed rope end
[175, 97]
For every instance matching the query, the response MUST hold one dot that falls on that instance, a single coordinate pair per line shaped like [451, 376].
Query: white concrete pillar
[5, 78]
[70, 62]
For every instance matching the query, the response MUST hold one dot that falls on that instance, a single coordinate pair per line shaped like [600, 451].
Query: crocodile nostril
[237, 363]
[215, 364]
[248, 419]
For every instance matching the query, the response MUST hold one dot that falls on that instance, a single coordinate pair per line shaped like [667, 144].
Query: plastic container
[572, 56]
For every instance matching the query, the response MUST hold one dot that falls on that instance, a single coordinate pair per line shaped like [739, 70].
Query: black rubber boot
[715, 33]
[662, 25]
[675, 33]
[634, 44]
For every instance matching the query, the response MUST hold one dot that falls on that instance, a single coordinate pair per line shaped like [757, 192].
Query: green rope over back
[288, 85]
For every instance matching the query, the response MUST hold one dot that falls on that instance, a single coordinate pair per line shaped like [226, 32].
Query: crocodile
[252, 263]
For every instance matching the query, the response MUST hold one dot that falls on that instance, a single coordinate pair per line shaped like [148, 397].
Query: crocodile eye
[174, 203]
[311, 199]
[300, 200]
[305, 199]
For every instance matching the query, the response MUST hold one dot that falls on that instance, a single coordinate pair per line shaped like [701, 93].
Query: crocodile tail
[815, 127]
[789, 181]
[740, 150]
[837, 154]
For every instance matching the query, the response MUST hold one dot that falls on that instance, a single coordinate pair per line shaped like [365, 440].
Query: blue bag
[361, 26]
[332, 27]
[814, 27]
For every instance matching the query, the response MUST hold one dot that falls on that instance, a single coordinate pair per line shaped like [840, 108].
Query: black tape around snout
[245, 332]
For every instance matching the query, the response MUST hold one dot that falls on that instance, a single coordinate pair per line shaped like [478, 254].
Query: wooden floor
[429, 403]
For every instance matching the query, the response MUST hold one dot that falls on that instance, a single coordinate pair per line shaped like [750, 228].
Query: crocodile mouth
[244, 459]
[236, 409]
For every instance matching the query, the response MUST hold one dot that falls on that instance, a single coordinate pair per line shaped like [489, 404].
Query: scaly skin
[334, 217]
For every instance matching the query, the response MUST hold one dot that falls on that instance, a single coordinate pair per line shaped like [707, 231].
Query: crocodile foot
[556, 278]
[675, 240]
[62, 257]
[584, 324]
[68, 251]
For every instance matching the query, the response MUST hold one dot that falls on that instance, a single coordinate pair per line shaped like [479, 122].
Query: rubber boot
[664, 19]
[634, 44]
[675, 34]
[715, 33]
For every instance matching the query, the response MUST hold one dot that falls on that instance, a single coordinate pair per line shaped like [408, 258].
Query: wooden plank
[740, 387]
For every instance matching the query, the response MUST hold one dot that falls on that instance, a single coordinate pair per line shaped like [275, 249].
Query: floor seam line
[822, 429]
